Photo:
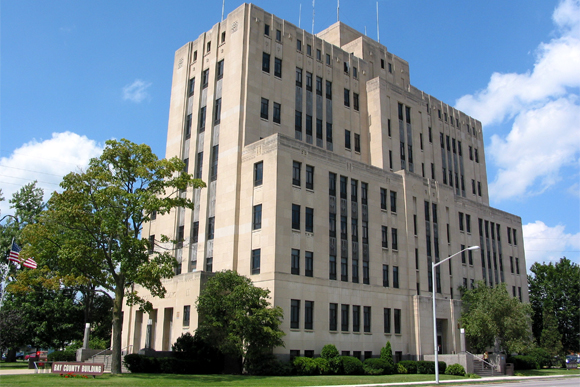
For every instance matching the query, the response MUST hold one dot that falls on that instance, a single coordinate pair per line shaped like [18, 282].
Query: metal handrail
[107, 357]
[492, 366]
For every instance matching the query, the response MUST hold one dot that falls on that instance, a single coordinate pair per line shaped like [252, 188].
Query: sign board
[78, 368]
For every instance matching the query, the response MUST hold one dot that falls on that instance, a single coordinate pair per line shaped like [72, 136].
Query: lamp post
[433, 287]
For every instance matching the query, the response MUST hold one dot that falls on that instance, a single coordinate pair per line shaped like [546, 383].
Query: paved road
[536, 382]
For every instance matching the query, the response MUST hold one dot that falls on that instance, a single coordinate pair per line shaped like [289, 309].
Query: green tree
[387, 356]
[92, 230]
[551, 338]
[237, 318]
[555, 288]
[492, 318]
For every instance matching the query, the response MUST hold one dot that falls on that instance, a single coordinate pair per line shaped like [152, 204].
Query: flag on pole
[30, 263]
[14, 253]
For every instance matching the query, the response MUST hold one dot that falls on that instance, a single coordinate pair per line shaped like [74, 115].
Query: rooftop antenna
[337, 10]
[223, 7]
[299, 15]
[378, 35]
[313, 3]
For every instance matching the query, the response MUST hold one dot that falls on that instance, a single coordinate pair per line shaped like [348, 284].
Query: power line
[30, 170]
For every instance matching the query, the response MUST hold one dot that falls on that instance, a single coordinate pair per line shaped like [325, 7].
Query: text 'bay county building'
[331, 181]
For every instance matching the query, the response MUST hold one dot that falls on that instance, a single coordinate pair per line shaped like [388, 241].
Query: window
[332, 225]
[267, 29]
[355, 318]
[214, 162]
[383, 199]
[479, 188]
[328, 90]
[397, 317]
[346, 67]
[367, 319]
[220, 70]
[347, 97]
[298, 77]
[278, 67]
[319, 130]
[512, 265]
[309, 127]
[264, 108]
[517, 266]
[266, 62]
[295, 262]
[308, 263]
[344, 315]
[199, 166]
[382, 63]
[295, 217]
[332, 317]
[332, 267]
[387, 320]
[217, 111]
[476, 156]
[343, 185]
[329, 133]
[257, 217]
[309, 226]
[365, 232]
[195, 55]
[384, 235]
[187, 130]
[328, 59]
[396, 277]
[386, 276]
[195, 232]
[308, 81]
[210, 228]
[309, 177]
[256, 261]
[355, 72]
[332, 184]
[258, 173]
[463, 260]
[223, 37]
[299, 44]
[355, 101]
[152, 244]
[393, 201]
[209, 264]
[344, 269]
[308, 50]
[461, 228]
[204, 78]
[202, 119]
[208, 46]
[186, 314]
[515, 240]
[357, 142]
[366, 272]
[394, 243]
[470, 257]
[318, 86]
[277, 109]
[294, 314]
[191, 87]
[347, 139]
[318, 55]
[296, 167]
[390, 68]
[309, 318]
[389, 127]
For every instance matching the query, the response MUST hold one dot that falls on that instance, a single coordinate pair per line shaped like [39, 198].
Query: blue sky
[76, 73]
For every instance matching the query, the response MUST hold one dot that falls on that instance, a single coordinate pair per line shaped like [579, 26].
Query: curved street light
[433, 287]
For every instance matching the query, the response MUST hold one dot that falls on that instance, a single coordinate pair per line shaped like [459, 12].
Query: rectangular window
[294, 314]
[191, 87]
[278, 67]
[256, 261]
[217, 111]
[383, 199]
[187, 130]
[347, 97]
[517, 266]
[394, 243]
[309, 127]
[354, 190]
[258, 173]
[152, 244]
[387, 320]
[199, 165]
[210, 228]
[264, 108]
[295, 217]
[356, 318]
[267, 29]
[396, 277]
[308, 264]
[463, 258]
[296, 167]
[357, 142]
[319, 130]
[344, 269]
[257, 217]
[214, 162]
[328, 90]
[278, 35]
[195, 55]
[209, 264]
[346, 67]
[195, 232]
[344, 316]
[385, 238]
[298, 124]
[332, 225]
[461, 228]
[470, 257]
[308, 81]
[309, 221]
[186, 314]
[343, 234]
[367, 319]
[328, 59]
[295, 262]
[343, 185]
[318, 55]
[393, 201]
[309, 177]
[366, 273]
[298, 77]
[355, 72]
[364, 191]
[329, 133]
[397, 318]
[386, 276]
[389, 127]
[332, 184]
[202, 119]
[347, 139]
[220, 70]
[365, 232]
[332, 267]
[204, 78]
[355, 101]
[277, 112]
[309, 317]
[332, 317]
[318, 86]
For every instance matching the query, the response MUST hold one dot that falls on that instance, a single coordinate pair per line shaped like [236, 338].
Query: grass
[13, 365]
[549, 371]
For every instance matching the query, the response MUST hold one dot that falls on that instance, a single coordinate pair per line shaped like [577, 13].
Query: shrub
[522, 362]
[455, 369]
[374, 366]
[269, 365]
[184, 343]
[475, 376]
[322, 366]
[305, 366]
[352, 365]
[335, 366]
[62, 356]
[401, 369]
[541, 357]
[428, 367]
[329, 351]
[410, 365]
[387, 356]
[140, 363]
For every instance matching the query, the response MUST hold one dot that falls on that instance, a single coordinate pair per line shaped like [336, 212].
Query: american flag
[15, 257]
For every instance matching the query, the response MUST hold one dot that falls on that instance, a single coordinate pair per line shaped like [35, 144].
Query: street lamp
[433, 287]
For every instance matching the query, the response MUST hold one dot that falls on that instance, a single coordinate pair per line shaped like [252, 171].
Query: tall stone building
[331, 181]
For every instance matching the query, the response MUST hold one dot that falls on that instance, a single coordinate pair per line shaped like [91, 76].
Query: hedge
[374, 366]
[523, 362]
[428, 367]
[410, 365]
[352, 365]
[62, 356]
[455, 369]
[305, 366]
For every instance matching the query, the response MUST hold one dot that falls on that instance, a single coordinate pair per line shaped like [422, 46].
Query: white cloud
[46, 161]
[546, 244]
[544, 104]
[137, 91]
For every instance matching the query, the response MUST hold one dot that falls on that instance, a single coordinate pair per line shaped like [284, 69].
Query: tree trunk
[117, 328]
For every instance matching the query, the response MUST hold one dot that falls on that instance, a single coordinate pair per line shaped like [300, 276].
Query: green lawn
[12, 365]
[551, 371]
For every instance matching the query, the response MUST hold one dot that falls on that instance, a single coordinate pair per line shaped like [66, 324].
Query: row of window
[386, 282]
[343, 188]
[309, 218]
[385, 238]
[265, 107]
[465, 225]
[393, 197]
[297, 178]
[345, 318]
[319, 131]
[205, 78]
[266, 65]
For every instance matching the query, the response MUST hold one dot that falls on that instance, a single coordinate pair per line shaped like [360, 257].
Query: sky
[74, 74]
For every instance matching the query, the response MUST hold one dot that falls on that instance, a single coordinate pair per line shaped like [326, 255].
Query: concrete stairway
[106, 360]
[483, 369]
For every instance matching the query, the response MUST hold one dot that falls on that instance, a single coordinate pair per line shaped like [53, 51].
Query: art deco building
[331, 181]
